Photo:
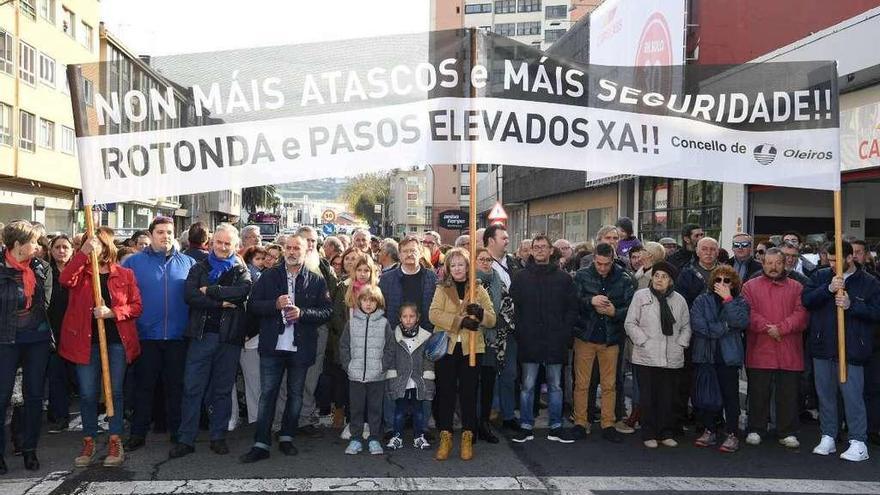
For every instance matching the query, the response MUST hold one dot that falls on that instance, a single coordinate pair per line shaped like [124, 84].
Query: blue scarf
[219, 266]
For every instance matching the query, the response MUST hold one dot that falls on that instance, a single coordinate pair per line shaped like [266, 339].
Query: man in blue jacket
[861, 302]
[291, 302]
[161, 272]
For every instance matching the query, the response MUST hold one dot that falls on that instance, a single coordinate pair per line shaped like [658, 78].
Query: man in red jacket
[774, 349]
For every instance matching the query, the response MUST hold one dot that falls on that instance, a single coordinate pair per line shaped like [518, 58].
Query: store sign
[453, 219]
[638, 33]
[661, 202]
[860, 137]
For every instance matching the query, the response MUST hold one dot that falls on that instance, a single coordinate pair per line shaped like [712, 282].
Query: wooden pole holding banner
[80, 124]
[472, 211]
[838, 269]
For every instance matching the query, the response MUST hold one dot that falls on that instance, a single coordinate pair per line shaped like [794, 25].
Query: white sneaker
[651, 444]
[753, 439]
[856, 452]
[826, 446]
[669, 442]
[420, 443]
[790, 442]
[346, 432]
[395, 443]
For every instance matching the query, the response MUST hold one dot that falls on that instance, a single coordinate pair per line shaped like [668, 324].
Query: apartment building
[39, 172]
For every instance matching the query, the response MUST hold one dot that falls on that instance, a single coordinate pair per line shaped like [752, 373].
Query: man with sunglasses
[743, 261]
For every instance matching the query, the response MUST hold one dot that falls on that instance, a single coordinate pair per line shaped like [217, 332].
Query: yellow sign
[328, 216]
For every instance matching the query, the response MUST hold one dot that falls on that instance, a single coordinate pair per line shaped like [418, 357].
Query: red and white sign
[860, 137]
[638, 33]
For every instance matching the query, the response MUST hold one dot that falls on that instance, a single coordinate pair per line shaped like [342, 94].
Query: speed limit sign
[328, 216]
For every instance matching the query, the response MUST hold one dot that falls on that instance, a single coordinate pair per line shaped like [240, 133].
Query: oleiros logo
[765, 154]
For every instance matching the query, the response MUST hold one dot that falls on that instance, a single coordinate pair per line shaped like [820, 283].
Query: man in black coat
[291, 303]
[545, 310]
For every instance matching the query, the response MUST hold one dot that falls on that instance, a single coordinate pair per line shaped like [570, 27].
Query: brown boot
[338, 418]
[445, 446]
[634, 417]
[115, 453]
[87, 454]
[467, 445]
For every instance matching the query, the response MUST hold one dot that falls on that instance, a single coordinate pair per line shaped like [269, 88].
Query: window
[5, 124]
[27, 129]
[68, 22]
[47, 10]
[27, 61]
[596, 219]
[506, 29]
[465, 167]
[47, 70]
[575, 226]
[482, 168]
[667, 204]
[478, 8]
[412, 196]
[529, 6]
[87, 91]
[551, 35]
[412, 212]
[68, 140]
[465, 190]
[47, 134]
[505, 6]
[85, 37]
[528, 28]
[556, 11]
[28, 9]
[6, 62]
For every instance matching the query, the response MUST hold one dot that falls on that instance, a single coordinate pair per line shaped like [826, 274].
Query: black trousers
[728, 381]
[456, 381]
[165, 358]
[487, 391]
[786, 384]
[657, 392]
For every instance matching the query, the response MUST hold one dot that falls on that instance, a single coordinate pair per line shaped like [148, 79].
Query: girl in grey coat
[362, 348]
[410, 376]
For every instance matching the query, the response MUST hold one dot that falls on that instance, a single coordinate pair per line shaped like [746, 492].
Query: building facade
[39, 171]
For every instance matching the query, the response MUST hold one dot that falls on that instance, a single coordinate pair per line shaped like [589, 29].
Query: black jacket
[57, 304]
[11, 320]
[545, 308]
[311, 296]
[619, 288]
[682, 258]
[753, 268]
[233, 287]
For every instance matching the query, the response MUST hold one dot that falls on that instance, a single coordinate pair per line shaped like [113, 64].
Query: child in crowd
[361, 351]
[410, 376]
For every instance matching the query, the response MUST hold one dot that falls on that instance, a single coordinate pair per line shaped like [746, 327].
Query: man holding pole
[860, 301]
[161, 272]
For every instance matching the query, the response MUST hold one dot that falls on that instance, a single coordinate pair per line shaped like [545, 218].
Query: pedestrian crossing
[568, 485]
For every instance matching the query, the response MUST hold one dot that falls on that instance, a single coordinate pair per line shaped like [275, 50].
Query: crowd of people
[381, 335]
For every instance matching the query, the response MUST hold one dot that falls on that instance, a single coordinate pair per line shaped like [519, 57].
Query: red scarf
[27, 277]
[356, 287]
[435, 259]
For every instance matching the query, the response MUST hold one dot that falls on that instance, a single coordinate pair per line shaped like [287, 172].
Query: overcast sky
[165, 27]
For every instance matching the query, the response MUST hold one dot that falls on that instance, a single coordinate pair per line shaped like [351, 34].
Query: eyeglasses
[724, 280]
[484, 260]
[741, 244]
[760, 251]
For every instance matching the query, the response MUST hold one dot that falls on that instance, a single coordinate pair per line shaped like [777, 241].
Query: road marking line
[565, 484]
[34, 486]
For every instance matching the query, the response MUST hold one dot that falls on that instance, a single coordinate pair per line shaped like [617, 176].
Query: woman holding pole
[25, 290]
[79, 343]
[456, 378]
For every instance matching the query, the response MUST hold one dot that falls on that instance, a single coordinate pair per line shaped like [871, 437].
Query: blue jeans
[553, 374]
[272, 368]
[165, 359]
[33, 358]
[57, 381]
[827, 385]
[209, 376]
[410, 405]
[89, 378]
[505, 384]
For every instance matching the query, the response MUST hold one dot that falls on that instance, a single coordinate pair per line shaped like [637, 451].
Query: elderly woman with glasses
[718, 318]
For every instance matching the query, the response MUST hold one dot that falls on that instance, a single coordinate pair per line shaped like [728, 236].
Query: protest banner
[281, 114]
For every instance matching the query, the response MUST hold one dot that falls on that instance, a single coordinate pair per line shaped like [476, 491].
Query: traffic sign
[328, 216]
[328, 228]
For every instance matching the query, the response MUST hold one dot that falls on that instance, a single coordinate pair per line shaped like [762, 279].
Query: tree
[254, 198]
[366, 190]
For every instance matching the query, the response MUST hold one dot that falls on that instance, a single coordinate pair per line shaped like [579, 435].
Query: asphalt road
[590, 466]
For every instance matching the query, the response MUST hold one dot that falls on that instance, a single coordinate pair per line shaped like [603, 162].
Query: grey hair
[604, 230]
[229, 228]
[250, 228]
[358, 232]
[306, 228]
[389, 246]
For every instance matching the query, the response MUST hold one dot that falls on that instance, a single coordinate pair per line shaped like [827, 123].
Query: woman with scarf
[658, 324]
[216, 290]
[719, 318]
[496, 340]
[25, 291]
[79, 337]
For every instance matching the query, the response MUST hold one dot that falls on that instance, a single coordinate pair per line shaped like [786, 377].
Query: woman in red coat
[122, 306]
